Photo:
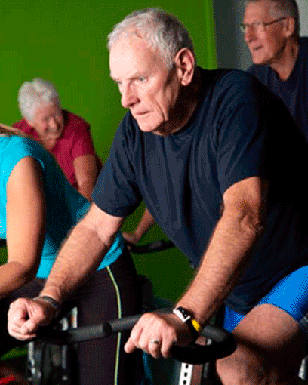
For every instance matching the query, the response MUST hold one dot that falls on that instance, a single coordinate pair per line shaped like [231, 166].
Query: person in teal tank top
[38, 207]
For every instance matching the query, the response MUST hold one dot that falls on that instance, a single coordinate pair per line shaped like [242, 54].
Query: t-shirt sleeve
[116, 191]
[242, 127]
[14, 152]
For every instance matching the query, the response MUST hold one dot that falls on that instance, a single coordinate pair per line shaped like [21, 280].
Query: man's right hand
[26, 315]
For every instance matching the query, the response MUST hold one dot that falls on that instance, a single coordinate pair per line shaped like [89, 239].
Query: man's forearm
[79, 256]
[223, 264]
[146, 222]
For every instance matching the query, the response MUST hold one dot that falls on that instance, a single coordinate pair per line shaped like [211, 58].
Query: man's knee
[238, 369]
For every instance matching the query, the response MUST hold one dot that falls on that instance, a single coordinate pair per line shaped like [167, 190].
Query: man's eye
[142, 79]
[256, 24]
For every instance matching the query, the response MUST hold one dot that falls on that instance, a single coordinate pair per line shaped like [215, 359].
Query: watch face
[192, 324]
[182, 314]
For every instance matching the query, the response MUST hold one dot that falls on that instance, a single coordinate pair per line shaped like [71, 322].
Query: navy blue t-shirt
[294, 90]
[238, 130]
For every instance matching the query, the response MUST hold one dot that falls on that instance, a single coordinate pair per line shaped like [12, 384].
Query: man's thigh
[272, 337]
[270, 348]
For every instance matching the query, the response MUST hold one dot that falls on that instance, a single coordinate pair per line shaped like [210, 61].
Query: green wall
[64, 42]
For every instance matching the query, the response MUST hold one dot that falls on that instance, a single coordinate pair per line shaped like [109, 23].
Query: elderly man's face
[48, 121]
[148, 88]
[266, 44]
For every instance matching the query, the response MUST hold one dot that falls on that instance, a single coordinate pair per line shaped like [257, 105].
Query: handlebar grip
[2, 242]
[223, 342]
[222, 345]
[81, 334]
[151, 247]
[86, 333]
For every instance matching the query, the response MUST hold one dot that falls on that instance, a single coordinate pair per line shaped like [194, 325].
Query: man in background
[279, 54]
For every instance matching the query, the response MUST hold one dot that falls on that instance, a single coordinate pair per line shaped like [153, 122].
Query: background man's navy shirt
[238, 130]
[294, 90]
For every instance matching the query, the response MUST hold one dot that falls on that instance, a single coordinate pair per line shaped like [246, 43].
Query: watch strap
[193, 325]
[51, 301]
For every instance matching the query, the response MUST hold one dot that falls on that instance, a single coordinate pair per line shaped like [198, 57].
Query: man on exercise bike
[219, 163]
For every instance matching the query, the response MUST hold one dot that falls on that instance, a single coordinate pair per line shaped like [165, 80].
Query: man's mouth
[255, 49]
[140, 114]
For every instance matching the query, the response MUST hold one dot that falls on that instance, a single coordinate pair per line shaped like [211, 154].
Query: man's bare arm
[228, 252]
[146, 222]
[223, 263]
[82, 252]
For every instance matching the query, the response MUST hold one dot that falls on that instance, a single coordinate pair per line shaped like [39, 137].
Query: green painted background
[64, 42]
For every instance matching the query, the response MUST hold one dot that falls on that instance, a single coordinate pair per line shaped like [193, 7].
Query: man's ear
[289, 29]
[184, 62]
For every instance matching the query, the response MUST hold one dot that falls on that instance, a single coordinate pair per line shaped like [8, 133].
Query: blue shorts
[290, 294]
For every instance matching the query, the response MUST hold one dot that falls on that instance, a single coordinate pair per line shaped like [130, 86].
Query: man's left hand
[155, 334]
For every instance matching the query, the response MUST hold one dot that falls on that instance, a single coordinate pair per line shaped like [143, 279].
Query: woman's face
[48, 121]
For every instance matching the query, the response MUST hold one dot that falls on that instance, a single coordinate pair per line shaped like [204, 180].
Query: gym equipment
[51, 353]
[222, 344]
[50, 364]
[159, 245]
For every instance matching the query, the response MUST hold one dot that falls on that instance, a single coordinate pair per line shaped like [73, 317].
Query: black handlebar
[160, 245]
[223, 342]
[2, 242]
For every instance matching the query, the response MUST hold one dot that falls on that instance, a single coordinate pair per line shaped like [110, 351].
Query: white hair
[161, 31]
[35, 93]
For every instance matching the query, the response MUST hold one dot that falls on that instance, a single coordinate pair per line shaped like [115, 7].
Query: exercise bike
[222, 344]
[51, 355]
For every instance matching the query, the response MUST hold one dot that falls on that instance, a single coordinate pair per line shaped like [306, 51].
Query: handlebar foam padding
[222, 342]
[151, 247]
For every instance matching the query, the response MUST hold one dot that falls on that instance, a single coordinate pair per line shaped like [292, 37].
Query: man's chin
[258, 60]
[147, 127]
[151, 129]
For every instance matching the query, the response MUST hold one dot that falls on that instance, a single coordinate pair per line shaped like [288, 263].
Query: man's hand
[26, 315]
[156, 333]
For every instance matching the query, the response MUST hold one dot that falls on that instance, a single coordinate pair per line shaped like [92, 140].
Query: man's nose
[249, 34]
[129, 95]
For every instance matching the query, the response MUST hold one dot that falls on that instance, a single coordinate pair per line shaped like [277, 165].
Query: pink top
[75, 141]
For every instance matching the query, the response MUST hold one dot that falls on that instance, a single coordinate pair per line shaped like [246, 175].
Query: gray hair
[161, 31]
[287, 8]
[35, 93]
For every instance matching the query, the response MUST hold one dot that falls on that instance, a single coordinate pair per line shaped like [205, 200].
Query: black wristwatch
[193, 325]
[51, 301]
